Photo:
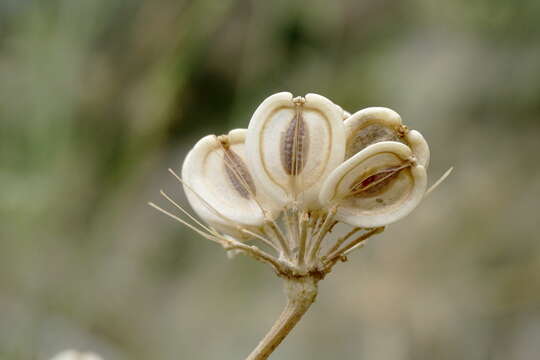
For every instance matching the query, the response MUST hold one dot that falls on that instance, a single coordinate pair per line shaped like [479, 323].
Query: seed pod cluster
[308, 153]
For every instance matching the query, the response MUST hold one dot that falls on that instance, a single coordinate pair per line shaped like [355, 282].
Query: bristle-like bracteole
[230, 227]
[185, 212]
[439, 182]
[185, 223]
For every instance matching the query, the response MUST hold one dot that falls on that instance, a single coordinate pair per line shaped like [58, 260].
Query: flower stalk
[301, 293]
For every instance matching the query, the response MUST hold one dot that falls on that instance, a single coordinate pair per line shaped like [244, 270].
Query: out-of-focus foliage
[98, 98]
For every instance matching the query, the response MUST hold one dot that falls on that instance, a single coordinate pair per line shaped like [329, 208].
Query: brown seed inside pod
[295, 145]
[238, 174]
[369, 135]
[375, 184]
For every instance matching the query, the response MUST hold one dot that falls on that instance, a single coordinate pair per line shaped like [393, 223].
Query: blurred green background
[98, 98]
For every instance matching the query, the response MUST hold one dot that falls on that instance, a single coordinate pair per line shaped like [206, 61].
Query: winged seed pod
[293, 144]
[375, 124]
[220, 187]
[377, 186]
[302, 166]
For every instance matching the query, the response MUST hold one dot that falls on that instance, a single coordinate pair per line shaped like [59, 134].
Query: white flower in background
[302, 166]
[75, 355]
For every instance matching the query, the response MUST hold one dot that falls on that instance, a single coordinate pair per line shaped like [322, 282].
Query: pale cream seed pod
[220, 187]
[377, 186]
[293, 144]
[376, 124]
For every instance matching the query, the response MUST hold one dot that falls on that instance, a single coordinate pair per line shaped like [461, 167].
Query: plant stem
[301, 293]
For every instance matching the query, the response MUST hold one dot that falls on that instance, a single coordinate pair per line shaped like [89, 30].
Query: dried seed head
[377, 186]
[219, 186]
[293, 143]
[376, 124]
[303, 165]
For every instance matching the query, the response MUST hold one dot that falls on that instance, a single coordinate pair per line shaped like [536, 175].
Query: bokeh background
[98, 98]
